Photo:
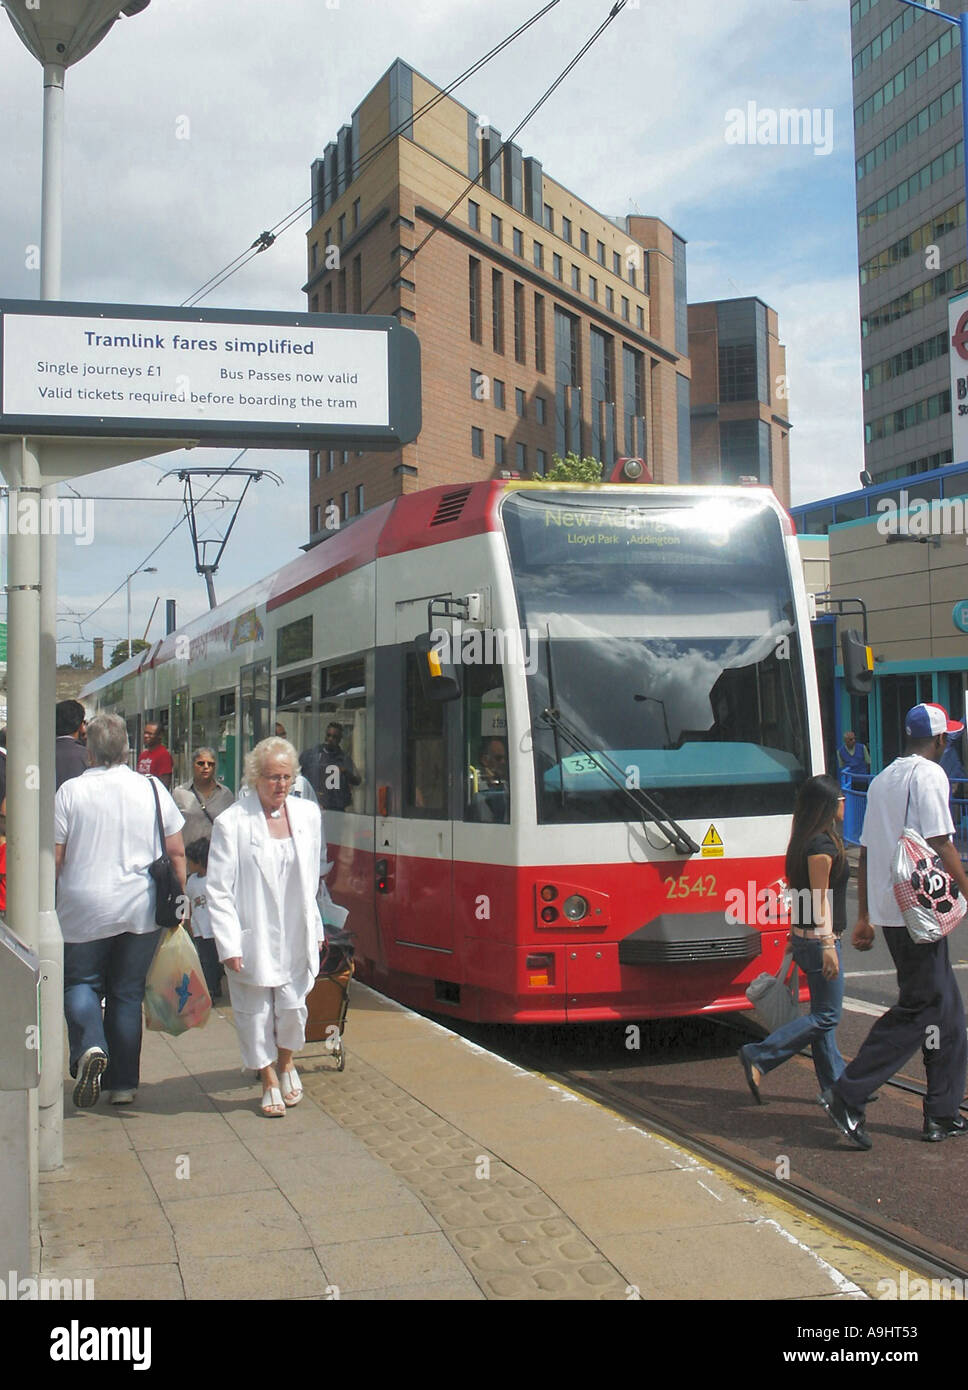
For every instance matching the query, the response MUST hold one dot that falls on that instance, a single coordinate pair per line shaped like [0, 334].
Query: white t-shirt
[106, 820]
[195, 891]
[888, 812]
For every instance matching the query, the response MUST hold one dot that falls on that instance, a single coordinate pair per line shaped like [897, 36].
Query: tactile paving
[515, 1242]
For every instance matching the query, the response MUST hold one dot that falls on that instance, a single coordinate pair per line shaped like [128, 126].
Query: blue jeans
[816, 1028]
[113, 968]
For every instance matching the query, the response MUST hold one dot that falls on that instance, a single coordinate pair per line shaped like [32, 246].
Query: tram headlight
[549, 914]
[549, 892]
[575, 907]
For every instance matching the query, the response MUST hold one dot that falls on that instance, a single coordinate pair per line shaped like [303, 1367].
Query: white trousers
[269, 1018]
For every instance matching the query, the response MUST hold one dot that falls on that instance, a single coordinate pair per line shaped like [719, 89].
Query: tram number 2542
[704, 885]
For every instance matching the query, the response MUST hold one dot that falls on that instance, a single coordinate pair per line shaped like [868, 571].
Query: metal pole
[50, 945]
[127, 585]
[23, 739]
[963, 32]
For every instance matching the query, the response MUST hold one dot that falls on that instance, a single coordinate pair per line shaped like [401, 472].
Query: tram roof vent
[450, 507]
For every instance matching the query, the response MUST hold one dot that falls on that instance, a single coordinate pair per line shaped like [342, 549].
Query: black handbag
[169, 899]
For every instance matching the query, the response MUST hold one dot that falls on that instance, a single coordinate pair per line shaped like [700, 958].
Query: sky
[194, 124]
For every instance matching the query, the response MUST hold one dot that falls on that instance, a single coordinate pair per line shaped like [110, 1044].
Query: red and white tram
[640, 655]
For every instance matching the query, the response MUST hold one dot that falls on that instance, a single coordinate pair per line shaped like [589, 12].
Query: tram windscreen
[662, 632]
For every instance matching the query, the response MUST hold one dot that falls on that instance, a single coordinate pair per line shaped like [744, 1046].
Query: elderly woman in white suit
[263, 875]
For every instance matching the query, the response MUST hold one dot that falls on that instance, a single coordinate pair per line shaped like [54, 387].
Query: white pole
[127, 585]
[50, 945]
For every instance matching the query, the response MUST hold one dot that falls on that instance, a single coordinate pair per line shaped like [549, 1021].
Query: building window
[632, 277]
[330, 460]
[600, 250]
[315, 255]
[539, 333]
[518, 293]
[541, 410]
[497, 310]
[479, 386]
[329, 237]
[539, 255]
[499, 450]
[549, 217]
[625, 308]
[566, 229]
[316, 519]
[616, 264]
[518, 239]
[344, 506]
[583, 241]
[576, 279]
[640, 318]
[477, 334]
[496, 229]
[341, 228]
[356, 213]
[610, 299]
[328, 297]
[474, 216]
[556, 266]
[314, 304]
[521, 457]
[357, 285]
[359, 499]
[498, 394]
[520, 402]
[477, 442]
[592, 288]
[346, 456]
[315, 464]
[541, 462]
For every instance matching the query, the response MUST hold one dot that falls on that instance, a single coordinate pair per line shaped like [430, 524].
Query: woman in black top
[817, 872]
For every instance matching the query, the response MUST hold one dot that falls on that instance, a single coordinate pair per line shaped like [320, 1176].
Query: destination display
[223, 377]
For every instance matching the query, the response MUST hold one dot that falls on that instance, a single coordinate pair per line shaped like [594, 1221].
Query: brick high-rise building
[544, 325]
[740, 408]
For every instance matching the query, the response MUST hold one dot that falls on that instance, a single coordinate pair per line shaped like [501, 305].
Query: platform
[429, 1169]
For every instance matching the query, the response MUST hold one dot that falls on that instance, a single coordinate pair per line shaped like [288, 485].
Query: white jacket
[243, 894]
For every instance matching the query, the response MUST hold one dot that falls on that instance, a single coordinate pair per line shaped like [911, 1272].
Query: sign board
[958, 356]
[959, 615]
[223, 377]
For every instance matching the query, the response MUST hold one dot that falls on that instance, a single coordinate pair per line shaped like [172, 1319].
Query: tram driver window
[487, 796]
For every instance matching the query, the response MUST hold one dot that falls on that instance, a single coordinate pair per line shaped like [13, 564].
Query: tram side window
[487, 795]
[296, 710]
[213, 726]
[425, 750]
[333, 757]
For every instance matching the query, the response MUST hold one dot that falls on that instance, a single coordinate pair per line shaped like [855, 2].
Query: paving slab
[428, 1170]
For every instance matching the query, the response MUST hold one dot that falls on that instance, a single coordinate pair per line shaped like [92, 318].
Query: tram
[579, 716]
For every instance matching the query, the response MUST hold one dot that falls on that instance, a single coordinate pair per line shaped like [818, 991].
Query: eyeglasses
[280, 779]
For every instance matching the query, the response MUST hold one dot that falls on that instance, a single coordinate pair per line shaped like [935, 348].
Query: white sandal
[292, 1092]
[272, 1106]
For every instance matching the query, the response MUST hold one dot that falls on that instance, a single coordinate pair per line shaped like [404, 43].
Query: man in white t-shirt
[929, 1013]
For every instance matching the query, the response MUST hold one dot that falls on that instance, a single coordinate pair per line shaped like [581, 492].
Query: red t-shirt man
[155, 760]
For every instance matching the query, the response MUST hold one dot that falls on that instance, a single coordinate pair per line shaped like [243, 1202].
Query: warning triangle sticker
[712, 844]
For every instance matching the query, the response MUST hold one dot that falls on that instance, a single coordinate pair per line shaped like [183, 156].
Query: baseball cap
[927, 721]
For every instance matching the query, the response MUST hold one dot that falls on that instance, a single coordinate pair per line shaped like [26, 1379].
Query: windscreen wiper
[678, 839]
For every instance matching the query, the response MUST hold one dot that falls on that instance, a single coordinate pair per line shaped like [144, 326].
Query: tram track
[910, 1247]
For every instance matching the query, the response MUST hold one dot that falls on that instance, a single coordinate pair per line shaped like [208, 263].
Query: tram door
[416, 838]
[254, 712]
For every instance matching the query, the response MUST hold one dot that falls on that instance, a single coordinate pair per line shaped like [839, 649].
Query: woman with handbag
[106, 840]
[817, 872]
[263, 876]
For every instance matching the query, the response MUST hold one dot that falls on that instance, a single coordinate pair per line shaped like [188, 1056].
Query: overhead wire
[479, 178]
[268, 237]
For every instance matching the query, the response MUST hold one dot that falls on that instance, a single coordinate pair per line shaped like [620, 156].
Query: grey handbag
[776, 998]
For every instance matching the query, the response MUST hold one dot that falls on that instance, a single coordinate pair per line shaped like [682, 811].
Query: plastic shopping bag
[176, 998]
[776, 998]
